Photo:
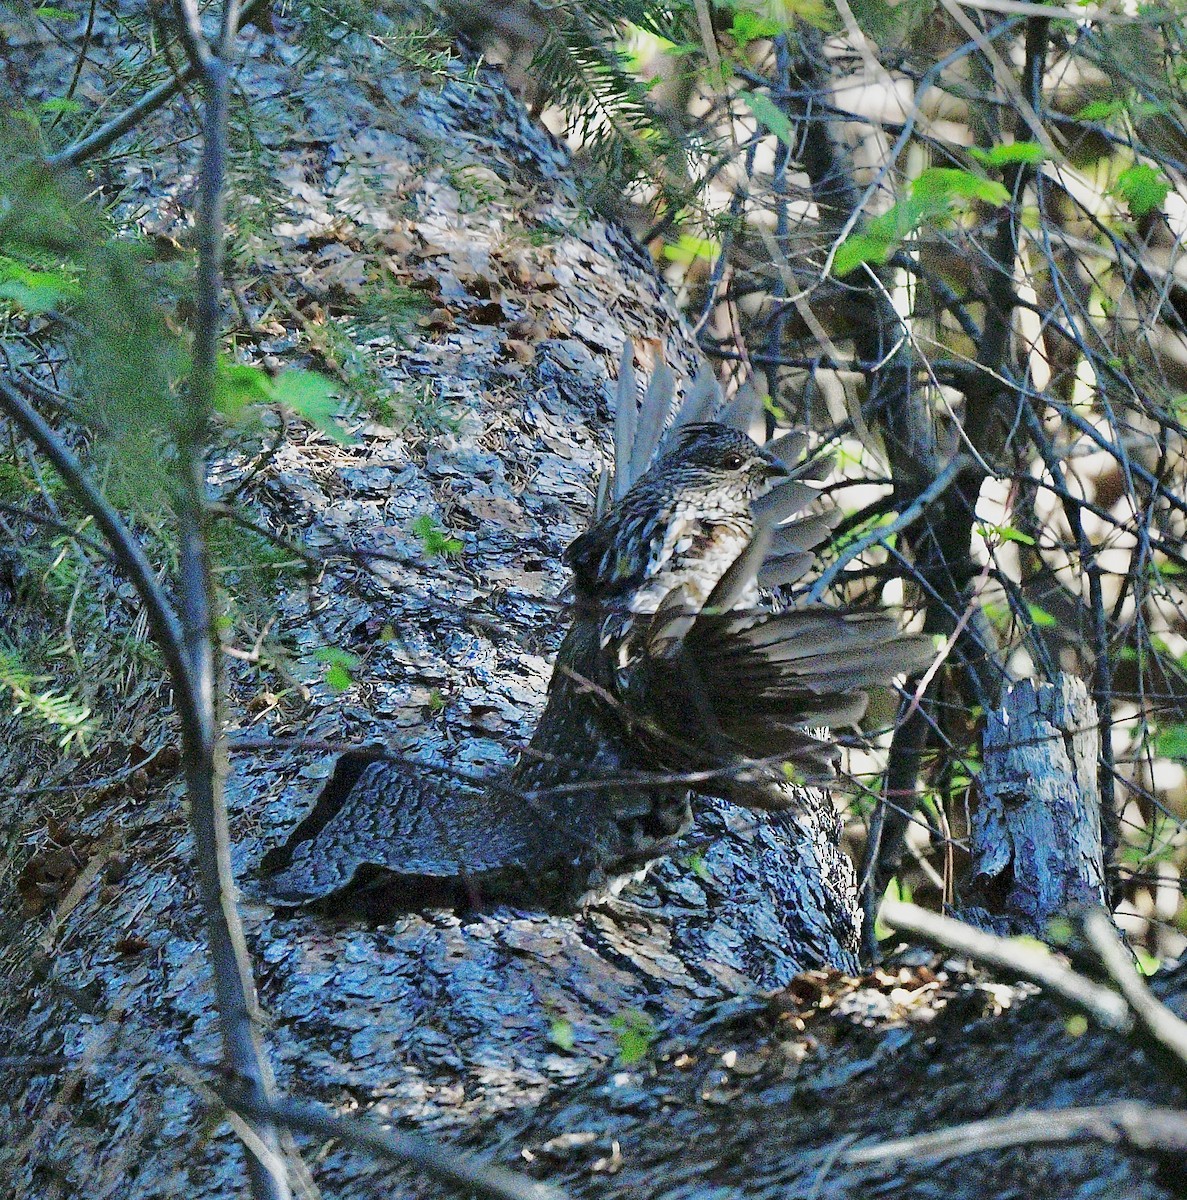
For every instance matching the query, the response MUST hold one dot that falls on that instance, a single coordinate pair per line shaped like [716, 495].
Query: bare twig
[1160, 1025]
[162, 619]
[905, 519]
[1102, 1004]
[231, 966]
[1137, 1126]
[1094, 13]
[63, 527]
[1135, 1013]
[110, 133]
[361, 1133]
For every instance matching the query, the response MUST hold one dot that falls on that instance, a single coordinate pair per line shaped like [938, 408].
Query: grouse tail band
[680, 674]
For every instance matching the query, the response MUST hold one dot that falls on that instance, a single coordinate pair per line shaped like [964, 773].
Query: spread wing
[644, 427]
[750, 690]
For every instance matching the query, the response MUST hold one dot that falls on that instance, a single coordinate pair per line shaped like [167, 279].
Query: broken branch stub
[1036, 834]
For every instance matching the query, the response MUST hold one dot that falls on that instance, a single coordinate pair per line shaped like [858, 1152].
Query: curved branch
[163, 621]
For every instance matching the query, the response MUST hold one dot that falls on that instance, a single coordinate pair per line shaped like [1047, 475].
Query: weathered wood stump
[1036, 834]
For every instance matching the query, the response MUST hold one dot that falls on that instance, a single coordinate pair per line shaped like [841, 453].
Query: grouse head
[718, 465]
[683, 522]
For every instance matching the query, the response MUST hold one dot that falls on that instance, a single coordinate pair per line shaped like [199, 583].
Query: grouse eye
[733, 461]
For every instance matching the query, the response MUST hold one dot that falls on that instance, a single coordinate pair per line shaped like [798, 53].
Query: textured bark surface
[759, 1100]
[438, 1019]
[501, 1029]
[1036, 833]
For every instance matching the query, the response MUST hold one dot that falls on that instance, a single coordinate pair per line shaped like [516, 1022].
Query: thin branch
[1137, 1126]
[608, 781]
[230, 962]
[63, 527]
[162, 619]
[451, 1166]
[1160, 1025]
[1103, 16]
[361, 1133]
[110, 133]
[1102, 1004]
[1135, 1013]
[909, 515]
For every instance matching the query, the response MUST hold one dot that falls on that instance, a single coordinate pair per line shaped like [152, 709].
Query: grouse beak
[776, 471]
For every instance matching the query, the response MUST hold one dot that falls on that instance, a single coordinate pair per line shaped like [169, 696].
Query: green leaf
[1007, 533]
[1102, 110]
[816, 12]
[238, 387]
[778, 16]
[561, 1033]
[60, 104]
[1014, 152]
[314, 397]
[634, 1032]
[934, 195]
[749, 27]
[768, 114]
[33, 291]
[860, 248]
[688, 249]
[1171, 742]
[338, 678]
[433, 539]
[1040, 616]
[953, 183]
[698, 866]
[339, 664]
[1142, 187]
[895, 890]
[792, 774]
[336, 656]
[66, 716]
[1147, 963]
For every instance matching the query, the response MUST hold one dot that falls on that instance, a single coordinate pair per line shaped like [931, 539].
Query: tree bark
[1036, 831]
[447, 1019]
[503, 1029]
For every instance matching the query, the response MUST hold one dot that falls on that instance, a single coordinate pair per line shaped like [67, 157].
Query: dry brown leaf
[496, 510]
[519, 350]
[440, 320]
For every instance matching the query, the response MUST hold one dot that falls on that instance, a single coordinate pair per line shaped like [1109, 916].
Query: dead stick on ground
[362, 1133]
[1138, 1126]
[1136, 1012]
[1161, 1026]
[1101, 1003]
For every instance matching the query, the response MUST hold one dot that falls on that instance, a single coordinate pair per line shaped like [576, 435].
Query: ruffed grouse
[670, 666]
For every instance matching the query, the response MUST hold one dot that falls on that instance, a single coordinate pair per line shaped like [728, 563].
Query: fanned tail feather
[645, 428]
